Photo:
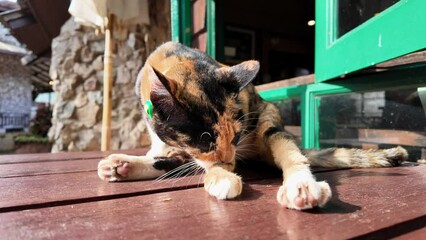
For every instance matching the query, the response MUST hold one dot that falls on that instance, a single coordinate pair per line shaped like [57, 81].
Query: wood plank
[411, 58]
[417, 234]
[59, 189]
[365, 202]
[48, 167]
[38, 157]
[302, 80]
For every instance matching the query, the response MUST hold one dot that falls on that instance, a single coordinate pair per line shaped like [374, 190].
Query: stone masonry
[77, 72]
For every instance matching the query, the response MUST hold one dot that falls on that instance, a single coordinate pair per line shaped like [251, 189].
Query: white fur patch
[204, 164]
[223, 189]
[223, 184]
[302, 185]
[158, 147]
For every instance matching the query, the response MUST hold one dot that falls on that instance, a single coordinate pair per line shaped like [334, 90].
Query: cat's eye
[236, 138]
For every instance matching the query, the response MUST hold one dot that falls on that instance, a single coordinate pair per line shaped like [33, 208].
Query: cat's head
[195, 105]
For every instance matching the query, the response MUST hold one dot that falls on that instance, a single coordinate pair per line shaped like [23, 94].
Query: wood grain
[62, 183]
[365, 203]
[38, 157]
[48, 167]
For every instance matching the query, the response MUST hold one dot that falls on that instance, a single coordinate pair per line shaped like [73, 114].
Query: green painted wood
[185, 8]
[174, 18]
[283, 93]
[395, 32]
[211, 28]
[181, 21]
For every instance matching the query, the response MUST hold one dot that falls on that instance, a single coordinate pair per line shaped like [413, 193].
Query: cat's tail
[356, 158]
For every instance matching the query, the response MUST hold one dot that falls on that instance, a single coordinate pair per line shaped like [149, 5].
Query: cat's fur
[210, 113]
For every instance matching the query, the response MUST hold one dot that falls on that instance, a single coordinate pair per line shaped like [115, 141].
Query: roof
[9, 44]
[33, 24]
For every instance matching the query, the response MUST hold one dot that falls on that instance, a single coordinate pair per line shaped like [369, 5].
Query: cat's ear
[244, 72]
[159, 81]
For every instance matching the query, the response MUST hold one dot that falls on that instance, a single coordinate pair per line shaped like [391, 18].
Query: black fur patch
[272, 130]
[167, 164]
[236, 139]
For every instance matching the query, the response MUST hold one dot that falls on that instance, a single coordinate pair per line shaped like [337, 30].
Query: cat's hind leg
[300, 190]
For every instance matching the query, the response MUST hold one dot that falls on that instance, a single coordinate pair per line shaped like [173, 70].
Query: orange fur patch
[225, 151]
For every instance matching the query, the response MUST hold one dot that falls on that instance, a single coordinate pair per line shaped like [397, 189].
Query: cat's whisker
[243, 139]
[176, 170]
[246, 144]
[248, 119]
[248, 149]
[200, 178]
[180, 175]
[173, 171]
[193, 173]
[247, 114]
[240, 158]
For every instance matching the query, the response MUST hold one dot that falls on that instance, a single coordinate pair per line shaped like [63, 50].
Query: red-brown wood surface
[23, 158]
[47, 167]
[68, 201]
[60, 182]
[366, 202]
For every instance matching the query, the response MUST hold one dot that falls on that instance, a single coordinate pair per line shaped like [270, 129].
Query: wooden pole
[107, 102]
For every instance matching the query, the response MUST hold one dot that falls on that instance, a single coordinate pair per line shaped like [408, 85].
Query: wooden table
[59, 196]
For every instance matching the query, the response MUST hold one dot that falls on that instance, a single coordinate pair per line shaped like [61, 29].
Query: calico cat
[206, 113]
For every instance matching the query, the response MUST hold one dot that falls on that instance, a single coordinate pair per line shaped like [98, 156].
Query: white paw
[222, 184]
[301, 191]
[122, 167]
[115, 167]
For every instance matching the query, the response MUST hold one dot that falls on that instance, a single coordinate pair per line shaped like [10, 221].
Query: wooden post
[107, 102]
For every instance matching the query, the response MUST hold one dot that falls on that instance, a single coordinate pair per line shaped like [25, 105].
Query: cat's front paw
[300, 191]
[114, 168]
[222, 184]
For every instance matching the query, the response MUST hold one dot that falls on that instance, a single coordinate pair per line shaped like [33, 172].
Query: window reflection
[290, 114]
[374, 120]
[352, 13]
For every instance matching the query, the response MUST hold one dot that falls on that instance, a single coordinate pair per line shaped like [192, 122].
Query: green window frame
[181, 23]
[403, 78]
[180, 11]
[396, 31]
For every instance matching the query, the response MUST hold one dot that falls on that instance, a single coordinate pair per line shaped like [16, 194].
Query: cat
[202, 112]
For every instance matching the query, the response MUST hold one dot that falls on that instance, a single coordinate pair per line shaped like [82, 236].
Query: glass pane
[352, 13]
[239, 45]
[290, 113]
[374, 120]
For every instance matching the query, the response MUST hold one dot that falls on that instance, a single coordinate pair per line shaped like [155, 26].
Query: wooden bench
[59, 196]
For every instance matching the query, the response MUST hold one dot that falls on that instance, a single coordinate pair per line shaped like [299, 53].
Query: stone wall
[77, 71]
[15, 86]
